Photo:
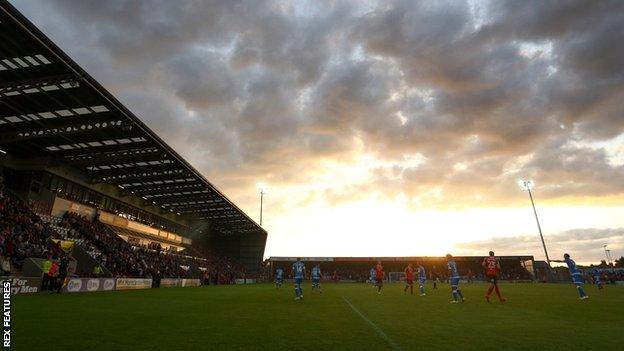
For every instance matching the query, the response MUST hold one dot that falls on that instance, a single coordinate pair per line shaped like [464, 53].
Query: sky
[379, 128]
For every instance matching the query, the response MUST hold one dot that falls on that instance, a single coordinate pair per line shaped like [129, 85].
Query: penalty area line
[380, 332]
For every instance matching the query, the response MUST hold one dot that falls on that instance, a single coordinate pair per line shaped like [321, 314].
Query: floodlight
[526, 184]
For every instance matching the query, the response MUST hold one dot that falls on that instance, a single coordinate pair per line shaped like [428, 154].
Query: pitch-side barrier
[29, 285]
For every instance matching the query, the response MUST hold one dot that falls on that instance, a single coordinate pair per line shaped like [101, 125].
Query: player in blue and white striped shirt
[316, 278]
[373, 276]
[279, 278]
[596, 276]
[577, 277]
[298, 271]
[422, 278]
[454, 279]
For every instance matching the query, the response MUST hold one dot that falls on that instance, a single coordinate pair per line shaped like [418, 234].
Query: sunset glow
[379, 128]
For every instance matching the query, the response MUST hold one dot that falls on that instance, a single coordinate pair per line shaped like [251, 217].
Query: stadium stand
[23, 234]
[514, 268]
[120, 257]
[82, 174]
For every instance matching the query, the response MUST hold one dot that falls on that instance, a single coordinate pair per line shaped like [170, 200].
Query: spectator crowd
[23, 234]
[125, 260]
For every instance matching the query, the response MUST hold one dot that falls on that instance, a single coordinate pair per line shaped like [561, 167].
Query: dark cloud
[195, 78]
[485, 93]
[576, 171]
[582, 242]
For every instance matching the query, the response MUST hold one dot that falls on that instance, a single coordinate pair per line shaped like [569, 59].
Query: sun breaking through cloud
[394, 118]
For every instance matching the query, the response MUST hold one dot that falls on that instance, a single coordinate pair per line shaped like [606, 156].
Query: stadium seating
[125, 260]
[24, 234]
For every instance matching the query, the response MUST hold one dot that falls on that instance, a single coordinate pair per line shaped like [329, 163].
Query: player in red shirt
[409, 279]
[492, 268]
[379, 275]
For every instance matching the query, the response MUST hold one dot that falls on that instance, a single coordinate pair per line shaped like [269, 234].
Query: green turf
[257, 317]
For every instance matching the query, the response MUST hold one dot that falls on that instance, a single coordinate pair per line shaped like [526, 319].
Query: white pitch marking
[381, 333]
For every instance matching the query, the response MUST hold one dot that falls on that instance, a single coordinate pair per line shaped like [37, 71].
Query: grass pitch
[344, 317]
